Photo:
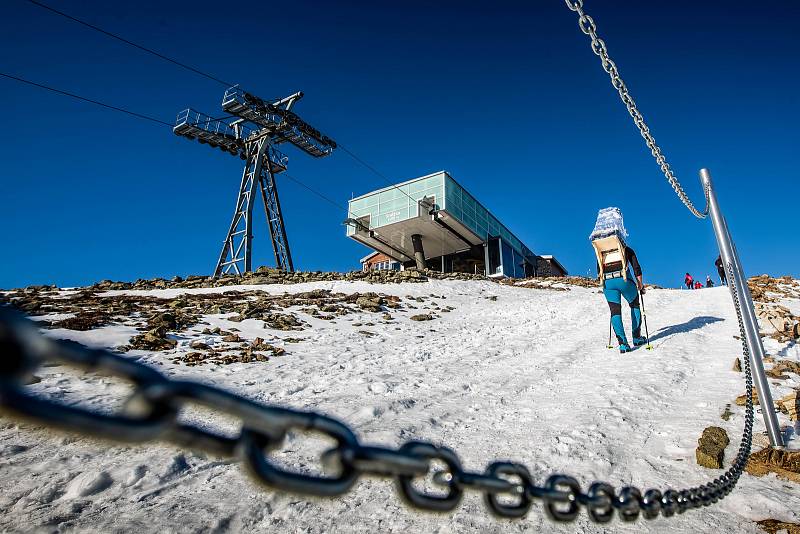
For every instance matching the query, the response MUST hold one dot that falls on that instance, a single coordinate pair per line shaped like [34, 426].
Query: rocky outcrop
[790, 404]
[164, 321]
[154, 339]
[765, 288]
[267, 275]
[784, 463]
[741, 400]
[710, 450]
[370, 302]
[283, 321]
[778, 322]
[774, 526]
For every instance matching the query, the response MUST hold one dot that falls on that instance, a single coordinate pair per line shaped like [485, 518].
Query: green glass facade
[398, 203]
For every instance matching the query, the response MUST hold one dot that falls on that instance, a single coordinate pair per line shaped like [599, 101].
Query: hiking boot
[639, 341]
[624, 347]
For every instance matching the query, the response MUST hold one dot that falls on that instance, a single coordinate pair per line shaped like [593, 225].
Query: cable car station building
[432, 222]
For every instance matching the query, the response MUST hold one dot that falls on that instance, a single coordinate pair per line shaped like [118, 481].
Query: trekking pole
[609, 335]
[644, 318]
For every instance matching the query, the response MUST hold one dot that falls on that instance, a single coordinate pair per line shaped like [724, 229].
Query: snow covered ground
[510, 373]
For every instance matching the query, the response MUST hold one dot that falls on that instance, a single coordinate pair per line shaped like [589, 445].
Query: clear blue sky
[506, 96]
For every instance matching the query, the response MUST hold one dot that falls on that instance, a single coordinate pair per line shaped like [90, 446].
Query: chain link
[152, 410]
[588, 26]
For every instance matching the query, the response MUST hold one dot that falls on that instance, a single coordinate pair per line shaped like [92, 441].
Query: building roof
[368, 256]
[552, 258]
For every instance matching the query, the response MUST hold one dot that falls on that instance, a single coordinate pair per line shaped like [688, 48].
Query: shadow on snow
[688, 326]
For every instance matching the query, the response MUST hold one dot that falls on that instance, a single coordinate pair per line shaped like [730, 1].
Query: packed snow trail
[511, 373]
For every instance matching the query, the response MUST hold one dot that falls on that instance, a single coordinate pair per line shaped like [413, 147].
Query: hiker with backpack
[615, 259]
[709, 281]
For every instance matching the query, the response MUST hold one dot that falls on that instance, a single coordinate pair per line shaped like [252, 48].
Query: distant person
[709, 281]
[689, 281]
[614, 262]
[721, 271]
[698, 285]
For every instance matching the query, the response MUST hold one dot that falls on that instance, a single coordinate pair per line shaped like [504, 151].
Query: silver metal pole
[756, 348]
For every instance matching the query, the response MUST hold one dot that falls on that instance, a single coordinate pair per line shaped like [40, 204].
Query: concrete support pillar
[419, 253]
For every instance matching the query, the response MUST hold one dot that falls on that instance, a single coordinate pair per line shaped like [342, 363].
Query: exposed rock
[392, 301]
[764, 288]
[82, 321]
[316, 294]
[741, 400]
[260, 345]
[370, 302]
[710, 450]
[282, 321]
[422, 317]
[174, 320]
[727, 413]
[776, 374]
[269, 275]
[779, 322]
[790, 404]
[784, 463]
[154, 339]
[788, 366]
[774, 526]
[737, 365]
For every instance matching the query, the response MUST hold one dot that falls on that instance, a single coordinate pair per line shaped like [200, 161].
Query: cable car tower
[252, 137]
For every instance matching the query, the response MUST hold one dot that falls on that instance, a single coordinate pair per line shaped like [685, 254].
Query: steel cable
[588, 26]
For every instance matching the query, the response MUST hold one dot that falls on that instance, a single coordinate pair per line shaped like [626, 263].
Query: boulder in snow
[711, 447]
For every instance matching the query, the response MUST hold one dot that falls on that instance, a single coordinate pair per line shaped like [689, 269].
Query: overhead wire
[317, 193]
[374, 170]
[85, 99]
[148, 118]
[349, 152]
[131, 43]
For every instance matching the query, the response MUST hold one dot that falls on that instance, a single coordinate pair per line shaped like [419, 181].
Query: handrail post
[730, 257]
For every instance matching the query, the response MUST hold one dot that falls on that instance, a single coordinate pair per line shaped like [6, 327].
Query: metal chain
[587, 26]
[151, 413]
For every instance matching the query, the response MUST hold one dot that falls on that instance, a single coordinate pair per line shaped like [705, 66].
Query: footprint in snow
[135, 475]
[11, 450]
[401, 404]
[176, 468]
[378, 388]
[88, 483]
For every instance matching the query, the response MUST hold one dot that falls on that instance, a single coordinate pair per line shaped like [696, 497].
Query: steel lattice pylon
[260, 126]
[259, 172]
